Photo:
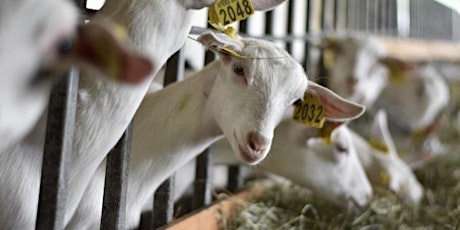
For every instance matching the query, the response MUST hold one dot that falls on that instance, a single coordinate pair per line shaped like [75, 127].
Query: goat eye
[297, 102]
[65, 45]
[341, 148]
[238, 70]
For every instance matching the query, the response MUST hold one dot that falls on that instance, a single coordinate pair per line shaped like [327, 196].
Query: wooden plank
[209, 218]
[421, 50]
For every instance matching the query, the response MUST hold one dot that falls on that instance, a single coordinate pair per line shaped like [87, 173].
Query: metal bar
[307, 61]
[322, 72]
[163, 204]
[202, 187]
[58, 146]
[116, 184]
[235, 181]
[290, 24]
[269, 22]
[203, 171]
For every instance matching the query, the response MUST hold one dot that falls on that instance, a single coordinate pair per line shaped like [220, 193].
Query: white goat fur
[104, 110]
[335, 175]
[28, 40]
[386, 168]
[418, 100]
[177, 123]
[357, 68]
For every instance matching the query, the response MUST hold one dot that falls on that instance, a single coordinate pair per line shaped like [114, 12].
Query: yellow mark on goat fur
[384, 179]
[379, 145]
[183, 102]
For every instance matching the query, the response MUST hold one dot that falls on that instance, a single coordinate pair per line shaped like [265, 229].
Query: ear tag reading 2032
[309, 111]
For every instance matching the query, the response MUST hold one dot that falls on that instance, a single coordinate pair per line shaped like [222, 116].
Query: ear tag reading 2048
[309, 111]
[229, 11]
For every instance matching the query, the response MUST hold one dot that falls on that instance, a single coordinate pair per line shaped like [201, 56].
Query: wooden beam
[422, 50]
[209, 218]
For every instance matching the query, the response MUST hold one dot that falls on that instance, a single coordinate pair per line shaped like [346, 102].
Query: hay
[289, 206]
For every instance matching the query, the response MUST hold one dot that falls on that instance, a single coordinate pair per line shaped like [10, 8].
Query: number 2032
[309, 112]
[230, 14]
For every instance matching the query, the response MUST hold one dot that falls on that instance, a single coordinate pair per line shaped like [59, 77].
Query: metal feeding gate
[382, 17]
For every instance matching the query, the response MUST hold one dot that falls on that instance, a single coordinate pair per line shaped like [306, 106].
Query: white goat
[34, 46]
[332, 170]
[383, 165]
[157, 28]
[416, 104]
[414, 95]
[242, 99]
[357, 72]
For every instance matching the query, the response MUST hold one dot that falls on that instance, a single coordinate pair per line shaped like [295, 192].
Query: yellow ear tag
[325, 133]
[309, 111]
[228, 30]
[229, 11]
[119, 32]
[384, 179]
[329, 59]
[397, 75]
[379, 145]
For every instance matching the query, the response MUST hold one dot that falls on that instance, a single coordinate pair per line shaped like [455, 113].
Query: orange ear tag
[309, 111]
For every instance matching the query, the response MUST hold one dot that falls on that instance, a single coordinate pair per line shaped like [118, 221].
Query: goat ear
[336, 108]
[380, 132]
[330, 43]
[99, 45]
[264, 5]
[224, 45]
[399, 69]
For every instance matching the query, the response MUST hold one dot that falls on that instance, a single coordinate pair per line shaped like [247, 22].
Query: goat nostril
[257, 142]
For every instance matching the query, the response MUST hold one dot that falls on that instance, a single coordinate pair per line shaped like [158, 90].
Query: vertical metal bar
[307, 61]
[381, 20]
[203, 171]
[202, 187]
[290, 23]
[235, 180]
[322, 72]
[163, 205]
[269, 22]
[116, 184]
[336, 14]
[58, 146]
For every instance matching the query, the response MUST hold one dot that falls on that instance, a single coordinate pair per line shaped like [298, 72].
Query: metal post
[116, 184]
[58, 146]
[163, 205]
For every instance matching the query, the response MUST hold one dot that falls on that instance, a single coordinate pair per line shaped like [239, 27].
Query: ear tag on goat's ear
[229, 11]
[309, 111]
[384, 178]
[379, 145]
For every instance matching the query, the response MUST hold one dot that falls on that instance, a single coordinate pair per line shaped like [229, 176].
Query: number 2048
[230, 14]
[308, 112]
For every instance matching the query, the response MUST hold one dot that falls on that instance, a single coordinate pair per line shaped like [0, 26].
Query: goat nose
[257, 142]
